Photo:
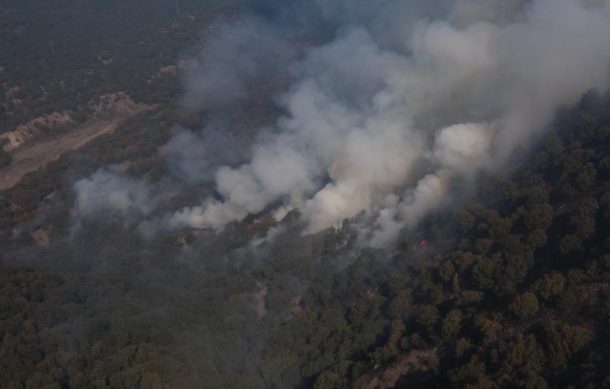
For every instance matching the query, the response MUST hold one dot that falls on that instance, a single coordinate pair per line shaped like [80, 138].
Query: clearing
[37, 155]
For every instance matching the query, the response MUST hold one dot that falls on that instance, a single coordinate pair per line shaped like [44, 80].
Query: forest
[59, 56]
[520, 299]
[508, 287]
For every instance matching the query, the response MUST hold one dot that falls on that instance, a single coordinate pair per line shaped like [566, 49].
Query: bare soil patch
[37, 155]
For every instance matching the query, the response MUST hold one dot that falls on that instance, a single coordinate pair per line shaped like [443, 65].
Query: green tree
[452, 323]
[550, 285]
[525, 305]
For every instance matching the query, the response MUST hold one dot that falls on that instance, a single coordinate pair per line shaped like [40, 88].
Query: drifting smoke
[192, 158]
[241, 55]
[110, 192]
[387, 105]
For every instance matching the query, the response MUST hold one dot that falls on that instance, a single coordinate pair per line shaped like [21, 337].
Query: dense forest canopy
[142, 258]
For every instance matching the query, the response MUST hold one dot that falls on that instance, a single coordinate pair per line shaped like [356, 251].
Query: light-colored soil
[37, 155]
[30, 152]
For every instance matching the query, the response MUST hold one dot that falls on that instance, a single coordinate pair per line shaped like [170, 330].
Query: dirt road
[37, 155]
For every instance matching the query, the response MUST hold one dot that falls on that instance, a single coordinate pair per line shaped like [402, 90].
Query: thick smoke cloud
[383, 128]
[386, 107]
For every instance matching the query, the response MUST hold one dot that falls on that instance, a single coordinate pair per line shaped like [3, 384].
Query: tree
[550, 285]
[538, 216]
[563, 341]
[489, 329]
[452, 323]
[525, 305]
[427, 317]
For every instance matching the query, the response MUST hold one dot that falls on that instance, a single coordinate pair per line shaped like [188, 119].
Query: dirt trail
[37, 155]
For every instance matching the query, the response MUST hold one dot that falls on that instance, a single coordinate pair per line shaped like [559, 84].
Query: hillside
[508, 305]
[127, 260]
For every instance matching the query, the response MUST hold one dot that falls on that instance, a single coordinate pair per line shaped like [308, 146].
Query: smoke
[377, 110]
[192, 157]
[381, 128]
[496, 11]
[107, 192]
[241, 61]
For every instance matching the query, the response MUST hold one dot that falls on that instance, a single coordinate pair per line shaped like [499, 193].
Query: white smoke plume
[461, 96]
[403, 101]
